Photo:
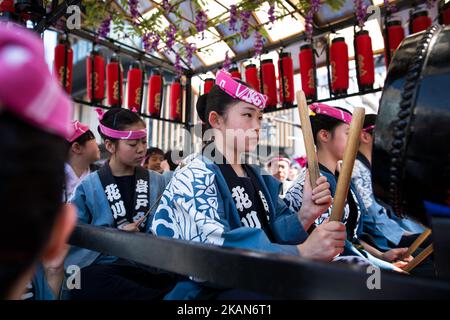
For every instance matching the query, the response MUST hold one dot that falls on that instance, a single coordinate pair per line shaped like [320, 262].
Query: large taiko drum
[411, 156]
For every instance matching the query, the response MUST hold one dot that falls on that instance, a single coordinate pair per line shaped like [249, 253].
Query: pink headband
[118, 134]
[44, 103]
[321, 108]
[369, 128]
[240, 91]
[79, 129]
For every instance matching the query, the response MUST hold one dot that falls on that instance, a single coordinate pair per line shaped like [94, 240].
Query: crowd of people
[50, 179]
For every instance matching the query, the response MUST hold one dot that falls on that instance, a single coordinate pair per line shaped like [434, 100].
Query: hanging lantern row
[97, 73]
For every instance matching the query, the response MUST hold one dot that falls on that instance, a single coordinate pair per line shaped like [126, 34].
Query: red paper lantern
[420, 21]
[95, 74]
[365, 62]
[114, 81]
[308, 71]
[7, 6]
[251, 77]
[235, 73]
[339, 66]
[155, 91]
[445, 14]
[395, 34]
[209, 83]
[63, 64]
[269, 82]
[135, 80]
[286, 78]
[175, 100]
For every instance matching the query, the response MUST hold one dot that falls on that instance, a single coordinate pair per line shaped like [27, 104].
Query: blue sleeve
[192, 209]
[79, 200]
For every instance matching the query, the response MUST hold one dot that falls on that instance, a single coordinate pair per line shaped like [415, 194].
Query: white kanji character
[141, 186]
[251, 220]
[264, 201]
[141, 203]
[241, 198]
[118, 209]
[112, 192]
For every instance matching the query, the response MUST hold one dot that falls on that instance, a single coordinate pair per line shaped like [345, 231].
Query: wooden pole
[308, 139]
[351, 149]
[420, 257]
[416, 244]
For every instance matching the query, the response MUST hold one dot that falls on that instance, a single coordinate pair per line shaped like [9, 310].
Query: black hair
[324, 122]
[216, 100]
[118, 119]
[151, 151]
[85, 137]
[370, 120]
[31, 186]
[170, 155]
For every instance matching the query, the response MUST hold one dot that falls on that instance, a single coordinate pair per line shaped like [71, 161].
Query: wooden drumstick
[345, 175]
[420, 257]
[308, 139]
[416, 244]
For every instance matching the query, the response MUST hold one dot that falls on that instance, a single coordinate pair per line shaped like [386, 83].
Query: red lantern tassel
[365, 62]
[395, 33]
[269, 82]
[114, 81]
[135, 79]
[251, 77]
[175, 100]
[339, 66]
[235, 73]
[420, 21]
[209, 83]
[308, 71]
[155, 90]
[95, 79]
[63, 65]
[286, 78]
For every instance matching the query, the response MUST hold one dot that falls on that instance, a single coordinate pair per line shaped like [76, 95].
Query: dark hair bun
[201, 106]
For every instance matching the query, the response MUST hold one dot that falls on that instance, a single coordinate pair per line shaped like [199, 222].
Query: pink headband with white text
[321, 108]
[369, 128]
[119, 134]
[240, 91]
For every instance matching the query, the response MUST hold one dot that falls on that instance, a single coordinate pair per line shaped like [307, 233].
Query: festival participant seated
[119, 195]
[330, 126]
[83, 152]
[279, 168]
[386, 233]
[153, 159]
[34, 125]
[216, 199]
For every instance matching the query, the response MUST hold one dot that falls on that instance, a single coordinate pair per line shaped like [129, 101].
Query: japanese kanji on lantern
[444, 14]
[234, 71]
[364, 60]
[95, 76]
[419, 21]
[251, 77]
[175, 100]
[269, 82]
[63, 64]
[339, 66]
[114, 82]
[308, 71]
[135, 81]
[393, 36]
[286, 78]
[207, 85]
[155, 91]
